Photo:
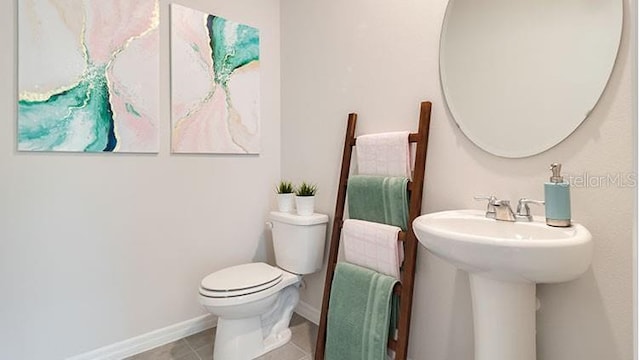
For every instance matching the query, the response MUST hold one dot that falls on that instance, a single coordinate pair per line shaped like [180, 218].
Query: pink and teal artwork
[88, 75]
[215, 84]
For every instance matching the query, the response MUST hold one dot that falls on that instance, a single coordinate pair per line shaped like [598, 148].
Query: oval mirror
[519, 76]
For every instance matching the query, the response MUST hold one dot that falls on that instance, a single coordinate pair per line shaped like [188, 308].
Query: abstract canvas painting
[215, 84]
[88, 75]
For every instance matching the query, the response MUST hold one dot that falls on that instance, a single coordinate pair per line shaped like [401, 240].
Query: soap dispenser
[557, 199]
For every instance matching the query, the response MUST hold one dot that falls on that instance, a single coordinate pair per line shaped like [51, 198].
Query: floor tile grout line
[188, 345]
[299, 348]
[195, 350]
[197, 355]
[191, 348]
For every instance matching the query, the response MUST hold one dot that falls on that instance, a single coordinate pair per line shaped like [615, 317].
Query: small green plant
[306, 189]
[284, 187]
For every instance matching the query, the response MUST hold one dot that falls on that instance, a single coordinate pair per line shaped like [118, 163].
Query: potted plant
[305, 199]
[285, 195]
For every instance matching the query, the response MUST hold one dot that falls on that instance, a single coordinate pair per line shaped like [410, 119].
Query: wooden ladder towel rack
[405, 288]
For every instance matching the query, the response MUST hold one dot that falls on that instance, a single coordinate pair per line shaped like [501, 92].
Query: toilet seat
[240, 280]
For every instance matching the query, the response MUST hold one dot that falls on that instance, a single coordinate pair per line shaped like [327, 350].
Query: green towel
[379, 199]
[359, 312]
[395, 314]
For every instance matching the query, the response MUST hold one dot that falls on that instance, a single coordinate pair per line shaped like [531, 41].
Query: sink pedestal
[505, 260]
[504, 319]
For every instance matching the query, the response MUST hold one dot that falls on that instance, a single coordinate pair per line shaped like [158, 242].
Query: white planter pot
[305, 205]
[286, 202]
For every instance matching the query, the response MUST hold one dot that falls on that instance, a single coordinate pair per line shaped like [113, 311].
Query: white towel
[385, 154]
[373, 245]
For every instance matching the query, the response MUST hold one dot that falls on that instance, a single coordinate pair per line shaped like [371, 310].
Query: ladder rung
[413, 138]
[392, 344]
[397, 288]
[409, 185]
[402, 235]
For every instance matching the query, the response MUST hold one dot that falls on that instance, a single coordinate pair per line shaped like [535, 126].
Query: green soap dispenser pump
[557, 199]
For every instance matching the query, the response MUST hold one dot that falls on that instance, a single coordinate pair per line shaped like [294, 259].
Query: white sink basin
[505, 260]
[511, 251]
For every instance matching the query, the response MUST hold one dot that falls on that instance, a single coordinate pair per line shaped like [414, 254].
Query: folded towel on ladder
[379, 199]
[373, 245]
[386, 154]
[358, 316]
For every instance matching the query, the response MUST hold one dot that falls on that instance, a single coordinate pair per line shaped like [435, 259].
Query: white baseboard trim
[308, 312]
[153, 339]
[150, 340]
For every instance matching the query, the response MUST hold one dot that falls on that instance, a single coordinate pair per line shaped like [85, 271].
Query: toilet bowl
[254, 302]
[252, 312]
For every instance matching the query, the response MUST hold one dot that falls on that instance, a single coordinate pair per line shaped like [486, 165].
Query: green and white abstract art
[215, 84]
[88, 75]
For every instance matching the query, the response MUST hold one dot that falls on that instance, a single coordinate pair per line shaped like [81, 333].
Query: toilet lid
[241, 278]
[236, 293]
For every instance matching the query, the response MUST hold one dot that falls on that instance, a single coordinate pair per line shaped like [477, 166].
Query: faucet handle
[491, 200]
[484, 197]
[523, 212]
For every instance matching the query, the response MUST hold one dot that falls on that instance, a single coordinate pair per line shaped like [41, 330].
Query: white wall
[99, 248]
[380, 59]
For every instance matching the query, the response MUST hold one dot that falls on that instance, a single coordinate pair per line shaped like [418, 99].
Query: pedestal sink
[505, 260]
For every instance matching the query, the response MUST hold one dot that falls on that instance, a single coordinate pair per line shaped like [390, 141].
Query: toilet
[254, 302]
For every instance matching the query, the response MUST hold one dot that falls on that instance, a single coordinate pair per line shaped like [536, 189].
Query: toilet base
[238, 339]
[241, 339]
[251, 337]
[274, 342]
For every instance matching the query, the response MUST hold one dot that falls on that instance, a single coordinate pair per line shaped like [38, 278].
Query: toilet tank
[298, 241]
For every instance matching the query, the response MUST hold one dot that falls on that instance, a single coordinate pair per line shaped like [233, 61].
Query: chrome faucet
[501, 209]
[504, 211]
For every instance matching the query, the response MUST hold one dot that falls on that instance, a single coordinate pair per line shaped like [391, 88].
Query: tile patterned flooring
[200, 346]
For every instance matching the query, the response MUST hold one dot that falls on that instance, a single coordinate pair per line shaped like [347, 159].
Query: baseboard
[150, 340]
[308, 312]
